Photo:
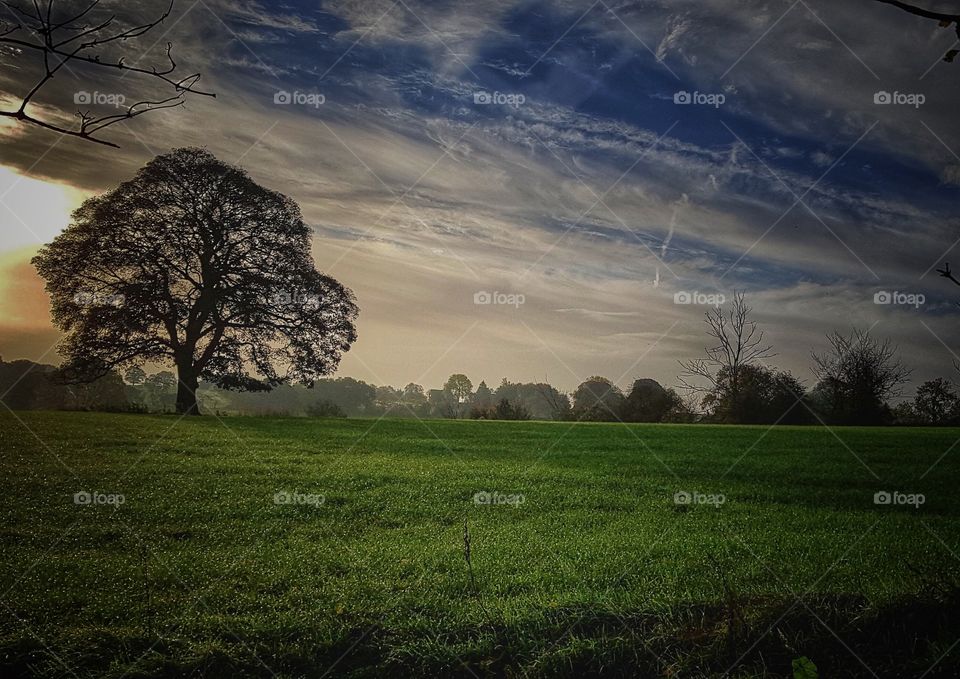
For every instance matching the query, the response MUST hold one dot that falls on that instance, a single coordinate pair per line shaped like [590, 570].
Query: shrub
[323, 408]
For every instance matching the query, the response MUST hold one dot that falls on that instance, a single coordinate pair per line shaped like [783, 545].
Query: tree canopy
[192, 262]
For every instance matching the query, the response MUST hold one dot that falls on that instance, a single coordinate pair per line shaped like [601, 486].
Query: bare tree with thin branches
[77, 39]
[739, 343]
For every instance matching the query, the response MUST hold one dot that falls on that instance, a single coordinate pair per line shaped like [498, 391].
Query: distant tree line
[25, 385]
[763, 395]
[856, 378]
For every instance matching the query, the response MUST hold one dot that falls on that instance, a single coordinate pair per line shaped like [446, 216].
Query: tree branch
[945, 21]
[55, 56]
[947, 273]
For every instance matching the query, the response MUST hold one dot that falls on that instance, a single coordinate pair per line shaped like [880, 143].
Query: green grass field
[201, 572]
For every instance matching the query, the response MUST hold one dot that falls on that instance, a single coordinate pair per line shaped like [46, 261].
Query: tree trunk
[187, 384]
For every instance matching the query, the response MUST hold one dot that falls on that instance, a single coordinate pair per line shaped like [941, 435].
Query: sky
[600, 172]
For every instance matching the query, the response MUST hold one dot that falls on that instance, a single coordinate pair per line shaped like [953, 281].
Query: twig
[473, 580]
[947, 273]
[64, 41]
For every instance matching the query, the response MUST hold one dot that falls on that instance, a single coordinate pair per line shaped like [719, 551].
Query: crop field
[143, 546]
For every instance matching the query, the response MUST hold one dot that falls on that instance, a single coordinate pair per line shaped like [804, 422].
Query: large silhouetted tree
[193, 263]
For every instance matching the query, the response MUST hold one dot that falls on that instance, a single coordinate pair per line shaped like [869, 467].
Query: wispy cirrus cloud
[598, 197]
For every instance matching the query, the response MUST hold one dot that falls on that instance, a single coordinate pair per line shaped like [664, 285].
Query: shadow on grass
[842, 635]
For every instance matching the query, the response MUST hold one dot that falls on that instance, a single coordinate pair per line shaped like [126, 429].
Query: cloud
[677, 207]
[256, 15]
[677, 27]
[951, 175]
[821, 159]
